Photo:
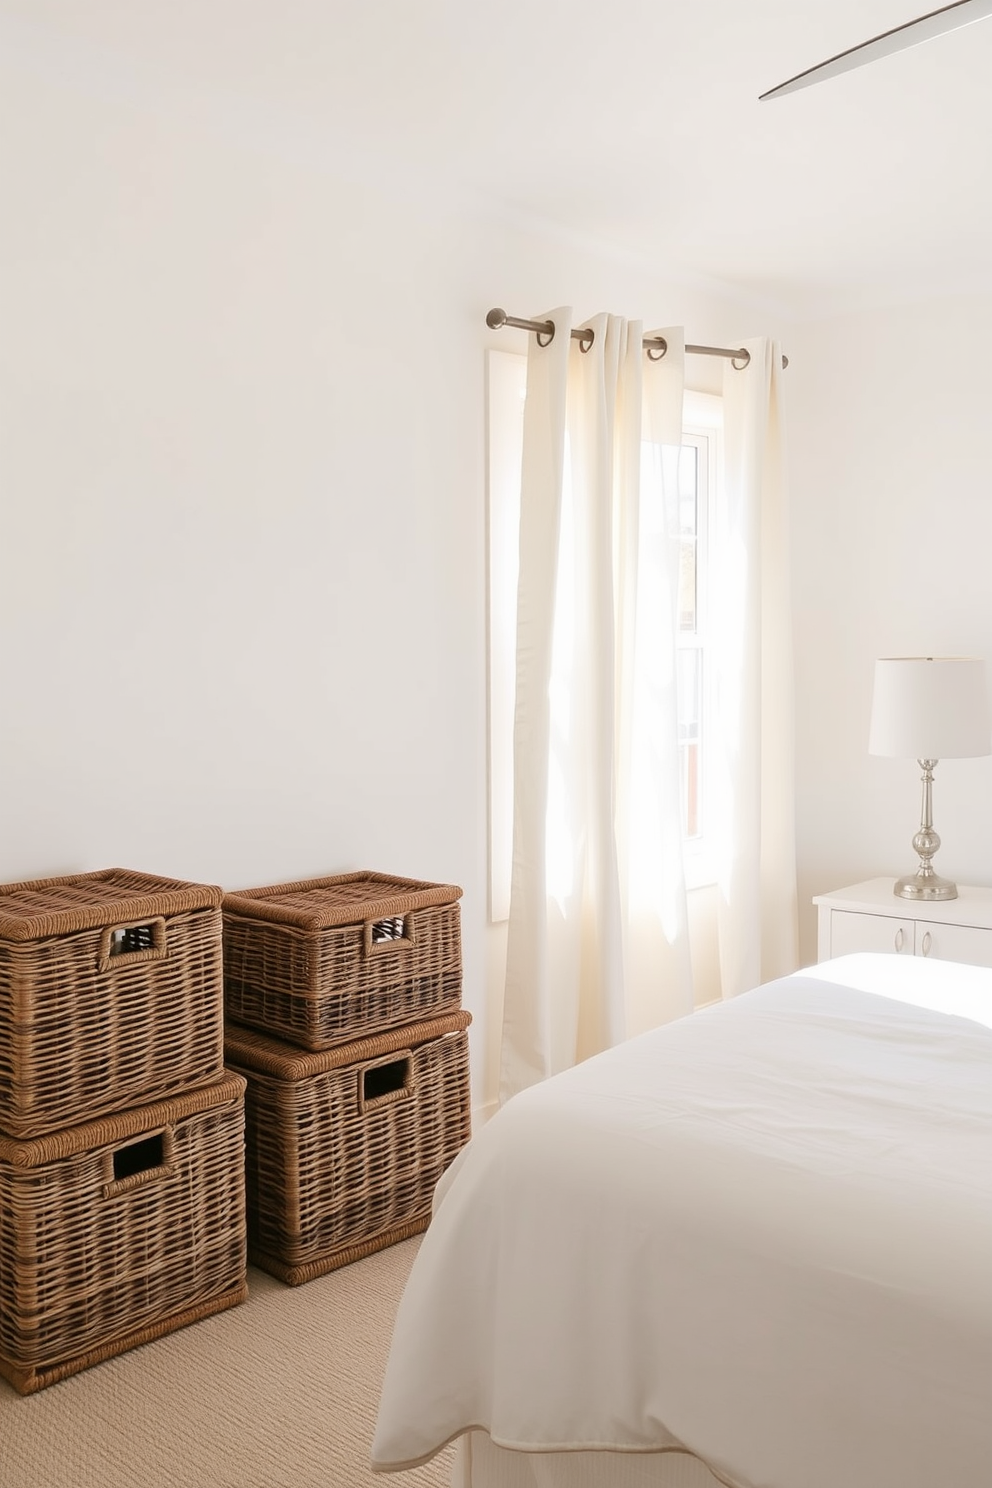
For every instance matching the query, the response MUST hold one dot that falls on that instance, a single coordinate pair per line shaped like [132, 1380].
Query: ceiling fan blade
[934, 23]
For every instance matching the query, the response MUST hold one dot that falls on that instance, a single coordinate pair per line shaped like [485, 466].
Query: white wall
[242, 476]
[891, 471]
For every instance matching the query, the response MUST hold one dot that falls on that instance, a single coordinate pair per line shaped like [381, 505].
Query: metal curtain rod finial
[655, 346]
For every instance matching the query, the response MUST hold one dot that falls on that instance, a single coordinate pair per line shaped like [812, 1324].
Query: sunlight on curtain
[655, 777]
[597, 945]
[754, 783]
[561, 844]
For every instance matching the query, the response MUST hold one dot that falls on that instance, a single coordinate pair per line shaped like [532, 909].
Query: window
[697, 475]
[695, 466]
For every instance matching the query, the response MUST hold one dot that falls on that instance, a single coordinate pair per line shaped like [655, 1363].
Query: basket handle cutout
[148, 1160]
[139, 940]
[395, 933]
[386, 1081]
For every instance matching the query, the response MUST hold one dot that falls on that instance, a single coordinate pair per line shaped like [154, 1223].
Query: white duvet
[763, 1232]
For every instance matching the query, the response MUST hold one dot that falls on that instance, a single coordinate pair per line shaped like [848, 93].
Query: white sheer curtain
[755, 805]
[597, 943]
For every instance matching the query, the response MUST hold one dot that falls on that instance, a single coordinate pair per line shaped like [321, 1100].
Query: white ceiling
[632, 122]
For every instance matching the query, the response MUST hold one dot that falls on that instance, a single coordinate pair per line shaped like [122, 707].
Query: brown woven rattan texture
[344, 1148]
[117, 1231]
[111, 996]
[325, 961]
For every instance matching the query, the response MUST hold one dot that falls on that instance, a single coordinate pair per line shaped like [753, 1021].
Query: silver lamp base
[925, 886]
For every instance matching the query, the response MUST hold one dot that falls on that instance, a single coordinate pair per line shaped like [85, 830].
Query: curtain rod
[655, 346]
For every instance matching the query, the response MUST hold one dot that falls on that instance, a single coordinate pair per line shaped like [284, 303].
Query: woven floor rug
[280, 1392]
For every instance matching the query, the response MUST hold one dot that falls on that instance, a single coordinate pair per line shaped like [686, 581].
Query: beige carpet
[280, 1392]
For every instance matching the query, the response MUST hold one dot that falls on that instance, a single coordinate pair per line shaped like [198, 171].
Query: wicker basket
[328, 960]
[111, 996]
[118, 1231]
[344, 1148]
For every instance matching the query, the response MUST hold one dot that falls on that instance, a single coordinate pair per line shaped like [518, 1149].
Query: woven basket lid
[345, 899]
[246, 1048]
[116, 1127]
[82, 901]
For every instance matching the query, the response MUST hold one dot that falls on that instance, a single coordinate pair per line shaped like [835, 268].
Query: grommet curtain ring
[655, 346]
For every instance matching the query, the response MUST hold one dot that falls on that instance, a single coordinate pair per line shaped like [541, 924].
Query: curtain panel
[597, 939]
[597, 943]
[755, 779]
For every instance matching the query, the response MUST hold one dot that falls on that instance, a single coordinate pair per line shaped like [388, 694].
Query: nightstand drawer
[952, 942]
[871, 932]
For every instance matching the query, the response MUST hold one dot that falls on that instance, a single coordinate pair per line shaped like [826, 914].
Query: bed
[752, 1248]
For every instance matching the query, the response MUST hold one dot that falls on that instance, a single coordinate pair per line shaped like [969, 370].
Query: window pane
[690, 790]
[687, 585]
[689, 526]
[688, 488]
[690, 694]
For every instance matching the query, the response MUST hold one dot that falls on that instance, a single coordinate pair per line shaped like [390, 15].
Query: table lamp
[929, 708]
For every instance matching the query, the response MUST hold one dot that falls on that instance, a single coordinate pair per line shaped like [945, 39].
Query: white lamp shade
[930, 707]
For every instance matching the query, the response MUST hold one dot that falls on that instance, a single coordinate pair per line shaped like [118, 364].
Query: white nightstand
[869, 917]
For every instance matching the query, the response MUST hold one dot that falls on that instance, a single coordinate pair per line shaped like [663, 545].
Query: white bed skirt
[480, 1464]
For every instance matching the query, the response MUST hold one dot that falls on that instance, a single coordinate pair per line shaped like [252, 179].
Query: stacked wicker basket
[122, 1207]
[343, 1003]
